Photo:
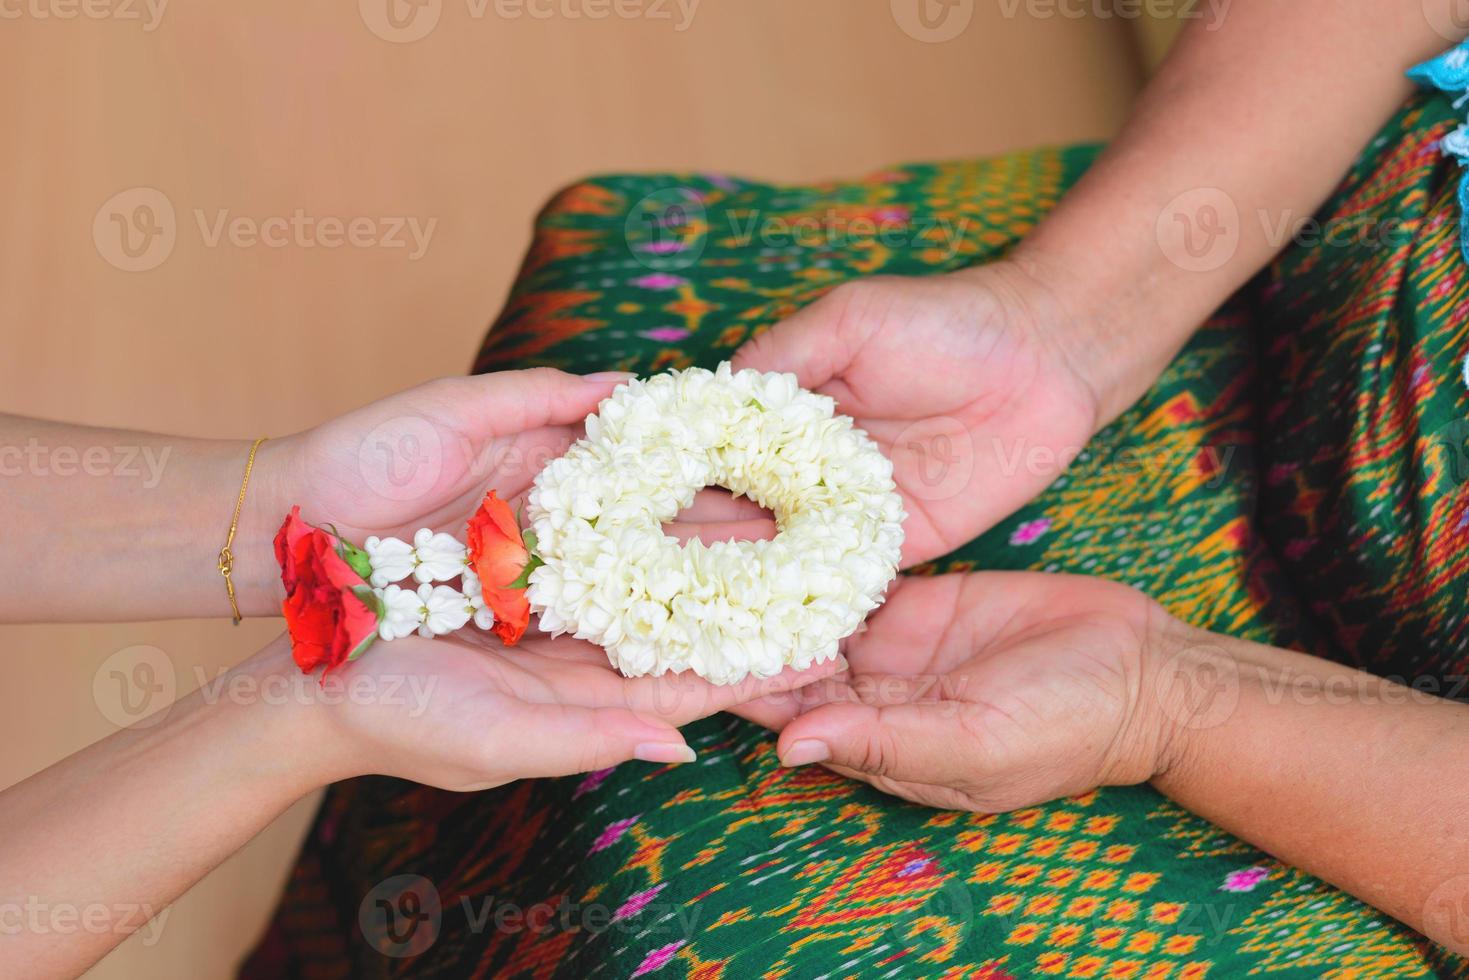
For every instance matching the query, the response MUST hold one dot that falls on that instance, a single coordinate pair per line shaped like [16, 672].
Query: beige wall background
[338, 110]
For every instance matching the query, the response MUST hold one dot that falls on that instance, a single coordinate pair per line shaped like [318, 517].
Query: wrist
[286, 717]
[268, 498]
[1188, 686]
[252, 731]
[1110, 333]
[1038, 293]
[1196, 684]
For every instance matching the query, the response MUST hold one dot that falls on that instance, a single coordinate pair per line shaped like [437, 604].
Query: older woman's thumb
[906, 741]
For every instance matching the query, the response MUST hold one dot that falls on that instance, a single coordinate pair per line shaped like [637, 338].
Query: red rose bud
[331, 613]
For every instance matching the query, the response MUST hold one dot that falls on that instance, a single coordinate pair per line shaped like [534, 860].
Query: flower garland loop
[596, 562]
[726, 609]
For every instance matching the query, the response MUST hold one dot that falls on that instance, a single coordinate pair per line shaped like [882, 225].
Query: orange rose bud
[499, 556]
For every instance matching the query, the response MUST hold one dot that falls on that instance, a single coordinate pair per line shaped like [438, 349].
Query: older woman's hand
[995, 691]
[977, 384]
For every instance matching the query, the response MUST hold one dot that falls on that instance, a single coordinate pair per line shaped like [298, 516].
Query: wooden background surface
[259, 110]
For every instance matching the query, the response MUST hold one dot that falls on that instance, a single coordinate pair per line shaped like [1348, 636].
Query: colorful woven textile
[1449, 72]
[1297, 477]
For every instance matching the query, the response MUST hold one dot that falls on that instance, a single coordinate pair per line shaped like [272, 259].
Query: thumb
[909, 742]
[813, 344]
[517, 401]
[568, 738]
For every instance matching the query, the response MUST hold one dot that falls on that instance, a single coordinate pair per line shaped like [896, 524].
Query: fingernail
[663, 752]
[842, 663]
[602, 377]
[804, 752]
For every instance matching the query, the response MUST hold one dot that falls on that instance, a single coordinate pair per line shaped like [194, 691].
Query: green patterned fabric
[1296, 477]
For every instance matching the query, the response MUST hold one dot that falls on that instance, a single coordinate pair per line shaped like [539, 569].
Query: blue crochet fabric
[1449, 72]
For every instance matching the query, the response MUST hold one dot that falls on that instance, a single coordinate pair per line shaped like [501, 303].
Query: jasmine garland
[727, 609]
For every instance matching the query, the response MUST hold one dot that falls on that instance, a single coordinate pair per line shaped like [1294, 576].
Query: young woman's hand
[421, 458]
[467, 717]
[994, 691]
[971, 382]
[126, 825]
[424, 457]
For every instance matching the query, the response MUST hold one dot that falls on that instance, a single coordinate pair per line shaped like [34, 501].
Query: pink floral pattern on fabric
[1030, 532]
[666, 335]
[659, 280]
[637, 903]
[593, 780]
[658, 957]
[612, 834]
[1245, 880]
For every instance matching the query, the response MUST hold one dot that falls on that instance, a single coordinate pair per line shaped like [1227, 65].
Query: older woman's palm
[961, 381]
[985, 692]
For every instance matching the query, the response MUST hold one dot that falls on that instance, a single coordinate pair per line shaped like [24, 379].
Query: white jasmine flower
[444, 610]
[474, 595]
[391, 559]
[439, 557]
[731, 608]
[402, 612]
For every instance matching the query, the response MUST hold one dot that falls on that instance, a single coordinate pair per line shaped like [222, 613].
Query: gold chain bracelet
[226, 556]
